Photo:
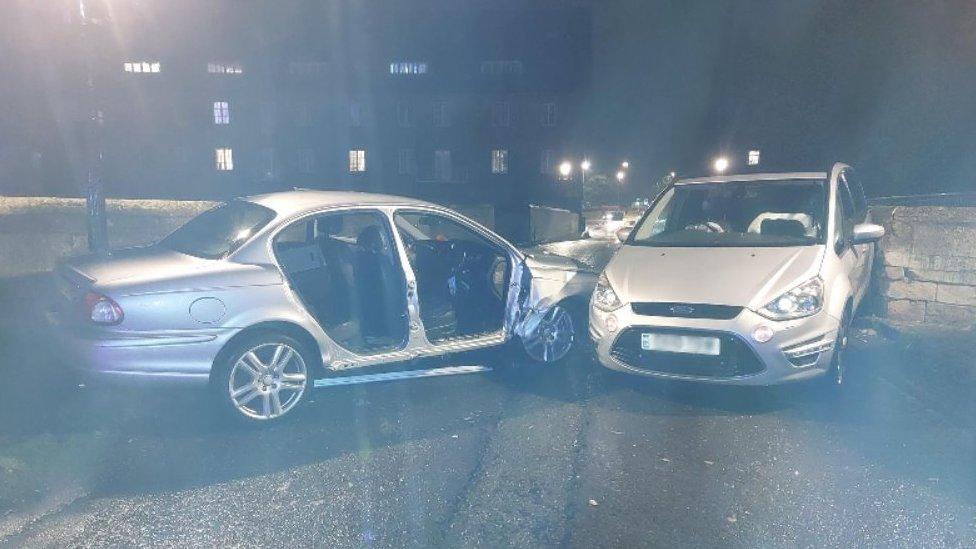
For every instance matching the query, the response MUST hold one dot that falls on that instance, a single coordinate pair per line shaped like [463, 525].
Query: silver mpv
[749, 280]
[261, 295]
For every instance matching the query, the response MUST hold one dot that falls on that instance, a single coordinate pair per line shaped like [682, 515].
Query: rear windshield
[216, 233]
[736, 214]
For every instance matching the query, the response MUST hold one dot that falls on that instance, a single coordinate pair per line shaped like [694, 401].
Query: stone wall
[927, 265]
[36, 231]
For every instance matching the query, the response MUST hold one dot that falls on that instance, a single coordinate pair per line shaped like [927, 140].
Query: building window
[141, 66]
[501, 114]
[406, 162]
[224, 159]
[403, 114]
[549, 114]
[499, 161]
[306, 161]
[496, 68]
[442, 165]
[267, 170]
[408, 67]
[225, 68]
[442, 117]
[306, 68]
[357, 161]
[356, 114]
[221, 112]
[547, 161]
[753, 158]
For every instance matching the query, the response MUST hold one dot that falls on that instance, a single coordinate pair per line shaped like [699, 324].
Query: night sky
[887, 86]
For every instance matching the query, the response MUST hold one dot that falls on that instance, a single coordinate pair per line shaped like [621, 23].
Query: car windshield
[216, 233]
[736, 214]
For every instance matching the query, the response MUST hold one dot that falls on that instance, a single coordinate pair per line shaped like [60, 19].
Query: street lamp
[625, 165]
[585, 165]
[721, 164]
[565, 169]
[621, 175]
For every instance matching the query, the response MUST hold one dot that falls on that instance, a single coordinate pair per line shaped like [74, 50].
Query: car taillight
[102, 310]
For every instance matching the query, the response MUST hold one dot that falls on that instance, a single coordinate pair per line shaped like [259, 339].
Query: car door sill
[395, 376]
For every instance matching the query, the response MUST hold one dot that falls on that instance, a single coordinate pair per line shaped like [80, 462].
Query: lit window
[306, 160]
[753, 158]
[357, 161]
[224, 160]
[221, 112]
[406, 162]
[496, 68]
[141, 66]
[403, 114]
[548, 114]
[225, 68]
[499, 161]
[408, 67]
[501, 113]
[442, 117]
[306, 68]
[442, 165]
[546, 163]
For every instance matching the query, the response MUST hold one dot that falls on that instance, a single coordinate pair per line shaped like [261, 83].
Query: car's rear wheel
[551, 338]
[262, 377]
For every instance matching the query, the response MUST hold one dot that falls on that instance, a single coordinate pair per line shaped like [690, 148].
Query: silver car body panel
[180, 311]
[743, 277]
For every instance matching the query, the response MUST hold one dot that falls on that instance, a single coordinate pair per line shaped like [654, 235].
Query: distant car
[606, 226]
[749, 280]
[260, 295]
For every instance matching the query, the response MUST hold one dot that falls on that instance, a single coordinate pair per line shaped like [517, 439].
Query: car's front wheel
[263, 377]
[551, 336]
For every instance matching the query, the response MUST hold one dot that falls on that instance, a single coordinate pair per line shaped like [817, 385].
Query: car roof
[286, 203]
[754, 177]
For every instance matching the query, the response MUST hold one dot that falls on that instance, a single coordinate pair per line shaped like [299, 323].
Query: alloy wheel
[267, 381]
[552, 337]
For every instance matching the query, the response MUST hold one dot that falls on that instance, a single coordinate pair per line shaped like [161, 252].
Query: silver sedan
[260, 296]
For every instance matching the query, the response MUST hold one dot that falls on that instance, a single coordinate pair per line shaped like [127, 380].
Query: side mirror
[866, 233]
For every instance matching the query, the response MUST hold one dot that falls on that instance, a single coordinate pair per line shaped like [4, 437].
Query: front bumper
[98, 354]
[799, 349]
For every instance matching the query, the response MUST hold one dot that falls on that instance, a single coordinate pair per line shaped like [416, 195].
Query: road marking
[393, 376]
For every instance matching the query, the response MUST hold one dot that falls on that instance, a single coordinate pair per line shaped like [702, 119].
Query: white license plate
[670, 343]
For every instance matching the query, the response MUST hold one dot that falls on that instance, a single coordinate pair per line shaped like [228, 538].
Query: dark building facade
[459, 103]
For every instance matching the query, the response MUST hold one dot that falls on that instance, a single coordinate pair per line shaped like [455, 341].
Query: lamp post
[621, 176]
[94, 193]
[721, 164]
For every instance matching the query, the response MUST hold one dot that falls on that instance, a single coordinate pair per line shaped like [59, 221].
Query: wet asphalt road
[534, 456]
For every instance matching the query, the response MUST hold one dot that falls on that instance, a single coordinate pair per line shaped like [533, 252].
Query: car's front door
[346, 269]
[462, 278]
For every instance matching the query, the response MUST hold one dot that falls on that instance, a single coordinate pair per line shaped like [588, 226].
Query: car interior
[345, 269]
[461, 276]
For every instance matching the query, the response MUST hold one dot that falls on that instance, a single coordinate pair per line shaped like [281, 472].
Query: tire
[262, 378]
[835, 378]
[553, 338]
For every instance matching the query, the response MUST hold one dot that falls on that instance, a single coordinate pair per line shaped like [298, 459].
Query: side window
[857, 194]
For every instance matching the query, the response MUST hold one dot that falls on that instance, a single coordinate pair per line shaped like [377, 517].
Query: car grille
[736, 358]
[687, 310]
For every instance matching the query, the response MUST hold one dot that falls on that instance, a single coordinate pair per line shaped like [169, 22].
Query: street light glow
[625, 164]
[585, 165]
[721, 164]
[621, 175]
[565, 169]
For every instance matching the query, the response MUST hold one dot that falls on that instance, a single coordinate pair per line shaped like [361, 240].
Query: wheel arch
[283, 327]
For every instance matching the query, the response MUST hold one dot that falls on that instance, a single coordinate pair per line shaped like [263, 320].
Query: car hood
[745, 277]
[154, 269]
[537, 261]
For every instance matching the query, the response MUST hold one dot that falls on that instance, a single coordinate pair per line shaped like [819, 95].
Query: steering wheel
[714, 227]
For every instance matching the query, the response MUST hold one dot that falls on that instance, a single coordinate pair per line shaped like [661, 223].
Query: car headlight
[803, 300]
[604, 298]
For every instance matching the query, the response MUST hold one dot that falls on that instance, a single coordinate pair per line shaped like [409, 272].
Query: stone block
[956, 295]
[913, 290]
[906, 311]
[943, 314]
[894, 273]
[966, 278]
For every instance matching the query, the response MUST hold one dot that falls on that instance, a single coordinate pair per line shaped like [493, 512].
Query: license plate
[670, 343]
